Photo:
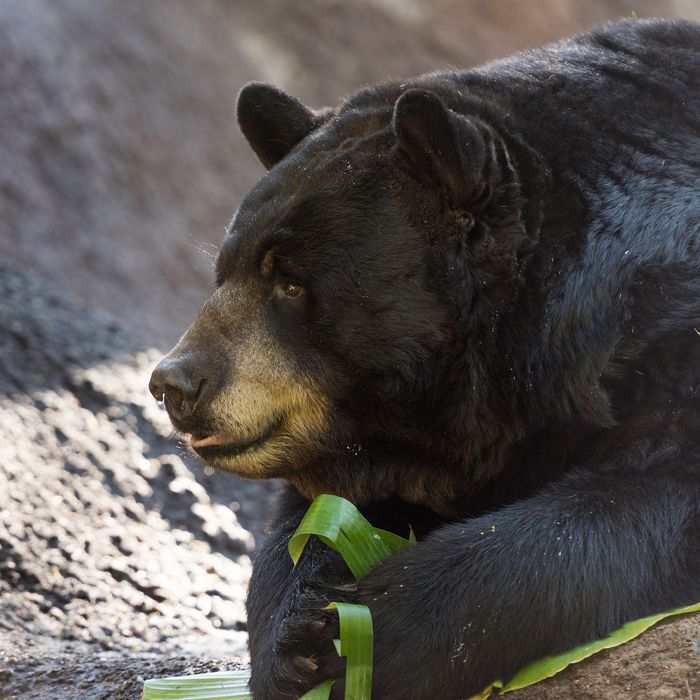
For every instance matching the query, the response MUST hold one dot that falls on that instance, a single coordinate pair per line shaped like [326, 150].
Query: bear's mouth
[217, 445]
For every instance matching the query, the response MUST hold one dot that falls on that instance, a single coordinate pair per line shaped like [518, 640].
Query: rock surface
[121, 163]
[111, 536]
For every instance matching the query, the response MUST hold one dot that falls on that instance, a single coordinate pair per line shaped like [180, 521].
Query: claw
[305, 663]
[318, 625]
[346, 587]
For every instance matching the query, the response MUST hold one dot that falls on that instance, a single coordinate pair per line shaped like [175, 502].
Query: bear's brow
[225, 261]
[236, 250]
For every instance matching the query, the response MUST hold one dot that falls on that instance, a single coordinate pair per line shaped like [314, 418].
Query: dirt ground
[121, 558]
[116, 549]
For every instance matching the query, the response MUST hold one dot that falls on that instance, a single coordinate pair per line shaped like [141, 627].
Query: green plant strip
[320, 692]
[219, 685]
[356, 645]
[340, 525]
[551, 665]
[337, 523]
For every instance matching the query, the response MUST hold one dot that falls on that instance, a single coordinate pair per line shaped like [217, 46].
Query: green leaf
[551, 665]
[357, 646]
[340, 525]
[218, 685]
[395, 542]
[320, 692]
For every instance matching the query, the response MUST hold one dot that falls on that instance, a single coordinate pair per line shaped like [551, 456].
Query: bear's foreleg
[286, 624]
[477, 600]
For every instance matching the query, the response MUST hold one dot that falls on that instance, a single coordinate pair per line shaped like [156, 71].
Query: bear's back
[615, 114]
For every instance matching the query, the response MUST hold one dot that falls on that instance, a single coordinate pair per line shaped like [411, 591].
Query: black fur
[273, 122]
[504, 305]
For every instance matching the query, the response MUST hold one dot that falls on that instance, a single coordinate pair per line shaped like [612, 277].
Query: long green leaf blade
[339, 524]
[551, 665]
[357, 646]
[320, 692]
[218, 685]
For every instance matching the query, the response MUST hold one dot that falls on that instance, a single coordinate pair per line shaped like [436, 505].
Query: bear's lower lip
[220, 444]
[197, 440]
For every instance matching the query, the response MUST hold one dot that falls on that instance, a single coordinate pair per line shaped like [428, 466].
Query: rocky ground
[117, 550]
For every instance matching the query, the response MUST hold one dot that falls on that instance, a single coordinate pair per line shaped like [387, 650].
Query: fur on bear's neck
[604, 273]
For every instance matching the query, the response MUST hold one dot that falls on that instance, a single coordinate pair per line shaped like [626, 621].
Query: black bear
[470, 303]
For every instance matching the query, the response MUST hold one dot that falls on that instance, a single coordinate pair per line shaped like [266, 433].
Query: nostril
[174, 399]
[198, 394]
[177, 382]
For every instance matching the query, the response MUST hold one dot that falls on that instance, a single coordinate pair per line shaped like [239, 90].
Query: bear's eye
[293, 290]
[284, 290]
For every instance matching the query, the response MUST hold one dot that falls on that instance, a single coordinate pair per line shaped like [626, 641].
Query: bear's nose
[175, 381]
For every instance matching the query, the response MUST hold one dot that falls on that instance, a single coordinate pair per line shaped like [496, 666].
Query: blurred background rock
[120, 166]
[120, 159]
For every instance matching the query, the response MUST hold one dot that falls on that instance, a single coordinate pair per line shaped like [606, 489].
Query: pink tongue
[207, 441]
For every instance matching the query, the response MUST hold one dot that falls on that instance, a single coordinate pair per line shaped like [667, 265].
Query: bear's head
[352, 344]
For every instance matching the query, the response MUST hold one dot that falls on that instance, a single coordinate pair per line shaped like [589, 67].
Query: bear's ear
[444, 148]
[272, 121]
